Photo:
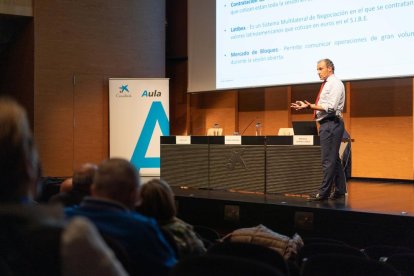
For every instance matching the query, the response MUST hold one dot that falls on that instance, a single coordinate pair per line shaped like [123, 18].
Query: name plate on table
[232, 140]
[303, 140]
[183, 140]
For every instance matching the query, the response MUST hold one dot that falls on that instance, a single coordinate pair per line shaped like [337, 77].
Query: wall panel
[90, 137]
[123, 38]
[381, 119]
[208, 109]
[276, 110]
[251, 110]
[176, 69]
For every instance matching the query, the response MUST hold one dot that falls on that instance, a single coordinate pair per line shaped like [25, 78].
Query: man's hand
[310, 105]
[298, 105]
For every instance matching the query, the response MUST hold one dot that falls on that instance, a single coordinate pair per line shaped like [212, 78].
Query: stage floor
[370, 196]
[381, 197]
[373, 212]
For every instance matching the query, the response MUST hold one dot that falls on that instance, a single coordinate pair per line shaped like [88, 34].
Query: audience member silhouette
[74, 189]
[33, 238]
[66, 185]
[156, 199]
[114, 195]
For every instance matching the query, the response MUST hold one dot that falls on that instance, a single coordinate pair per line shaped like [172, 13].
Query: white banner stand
[138, 116]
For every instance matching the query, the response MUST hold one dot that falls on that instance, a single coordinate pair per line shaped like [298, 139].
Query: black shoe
[335, 196]
[317, 197]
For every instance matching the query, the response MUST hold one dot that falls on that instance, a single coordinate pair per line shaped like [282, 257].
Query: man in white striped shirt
[328, 112]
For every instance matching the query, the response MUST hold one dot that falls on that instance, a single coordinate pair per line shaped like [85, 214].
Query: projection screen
[253, 43]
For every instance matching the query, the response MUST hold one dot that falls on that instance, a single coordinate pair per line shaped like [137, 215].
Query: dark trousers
[331, 132]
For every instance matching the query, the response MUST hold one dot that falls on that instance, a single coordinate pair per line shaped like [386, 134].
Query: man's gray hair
[328, 63]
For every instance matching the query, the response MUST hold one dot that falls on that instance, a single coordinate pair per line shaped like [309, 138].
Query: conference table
[288, 165]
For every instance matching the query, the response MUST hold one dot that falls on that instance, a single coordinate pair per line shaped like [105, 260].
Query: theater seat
[382, 252]
[403, 262]
[314, 249]
[343, 265]
[219, 265]
[252, 252]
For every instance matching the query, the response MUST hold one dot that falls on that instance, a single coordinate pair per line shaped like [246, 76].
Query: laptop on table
[304, 128]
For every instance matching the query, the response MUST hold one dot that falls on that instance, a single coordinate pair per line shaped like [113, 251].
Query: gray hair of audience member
[118, 180]
[156, 199]
[19, 164]
[83, 177]
[328, 63]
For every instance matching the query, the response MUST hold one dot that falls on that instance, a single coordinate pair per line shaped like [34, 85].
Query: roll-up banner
[138, 116]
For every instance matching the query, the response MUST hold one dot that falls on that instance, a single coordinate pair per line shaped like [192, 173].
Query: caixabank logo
[123, 92]
[235, 160]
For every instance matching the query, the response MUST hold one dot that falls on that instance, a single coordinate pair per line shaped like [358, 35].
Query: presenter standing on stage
[328, 113]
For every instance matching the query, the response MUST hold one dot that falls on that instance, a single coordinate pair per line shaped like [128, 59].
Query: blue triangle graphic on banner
[156, 113]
